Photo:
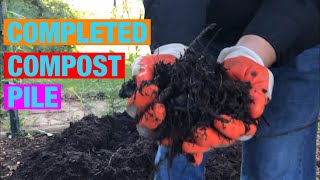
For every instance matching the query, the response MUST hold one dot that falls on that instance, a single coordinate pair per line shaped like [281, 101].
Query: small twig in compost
[112, 156]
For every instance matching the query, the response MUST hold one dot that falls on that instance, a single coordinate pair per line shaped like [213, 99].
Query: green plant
[22, 117]
[28, 136]
[12, 14]
[6, 125]
[114, 103]
[33, 121]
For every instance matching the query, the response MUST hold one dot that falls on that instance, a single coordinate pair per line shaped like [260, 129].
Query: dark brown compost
[195, 90]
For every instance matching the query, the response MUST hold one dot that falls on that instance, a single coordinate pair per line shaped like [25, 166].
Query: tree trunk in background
[1, 50]
[3, 15]
[14, 116]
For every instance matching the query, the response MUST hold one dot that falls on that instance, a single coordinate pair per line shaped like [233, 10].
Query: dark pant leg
[175, 21]
[286, 150]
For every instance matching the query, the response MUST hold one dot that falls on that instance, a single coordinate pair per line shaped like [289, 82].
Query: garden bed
[98, 148]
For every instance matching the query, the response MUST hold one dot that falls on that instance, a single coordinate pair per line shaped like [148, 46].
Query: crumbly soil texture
[98, 148]
[195, 90]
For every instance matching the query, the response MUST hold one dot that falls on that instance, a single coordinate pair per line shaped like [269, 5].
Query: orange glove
[245, 65]
[139, 102]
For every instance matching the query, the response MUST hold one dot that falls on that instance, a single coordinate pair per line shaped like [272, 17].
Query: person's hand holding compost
[140, 103]
[246, 62]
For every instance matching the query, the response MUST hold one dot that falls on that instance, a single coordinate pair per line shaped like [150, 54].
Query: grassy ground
[82, 87]
[85, 93]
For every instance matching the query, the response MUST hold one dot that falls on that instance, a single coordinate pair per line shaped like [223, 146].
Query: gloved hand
[139, 102]
[245, 65]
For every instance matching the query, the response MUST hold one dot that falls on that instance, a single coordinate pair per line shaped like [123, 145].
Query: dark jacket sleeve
[290, 26]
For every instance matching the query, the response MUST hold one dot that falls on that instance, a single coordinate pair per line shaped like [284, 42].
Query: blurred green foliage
[41, 9]
[37, 9]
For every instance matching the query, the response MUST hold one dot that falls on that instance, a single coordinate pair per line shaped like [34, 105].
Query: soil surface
[97, 148]
[72, 110]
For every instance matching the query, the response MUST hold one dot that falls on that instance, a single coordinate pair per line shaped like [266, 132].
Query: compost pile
[109, 148]
[195, 90]
[93, 148]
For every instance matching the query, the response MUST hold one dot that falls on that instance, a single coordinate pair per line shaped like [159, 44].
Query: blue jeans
[285, 150]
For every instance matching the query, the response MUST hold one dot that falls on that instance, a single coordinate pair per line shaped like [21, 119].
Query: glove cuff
[175, 49]
[236, 51]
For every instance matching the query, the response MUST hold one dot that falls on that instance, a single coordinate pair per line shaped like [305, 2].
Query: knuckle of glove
[231, 128]
[235, 129]
[153, 117]
[251, 132]
[191, 148]
[208, 137]
[141, 99]
[151, 120]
